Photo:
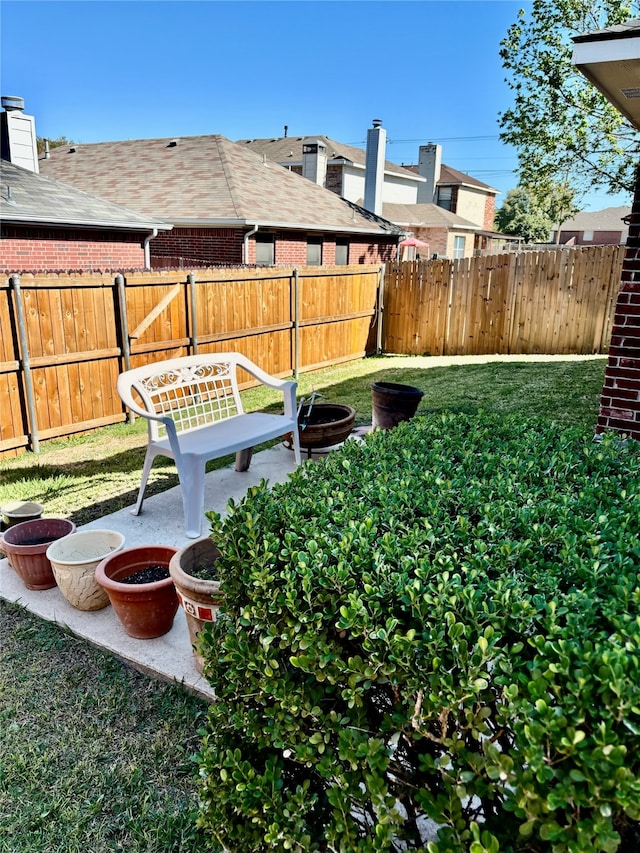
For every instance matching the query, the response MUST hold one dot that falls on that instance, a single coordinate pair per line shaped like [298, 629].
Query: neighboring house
[605, 227]
[337, 167]
[413, 197]
[227, 204]
[49, 226]
[448, 235]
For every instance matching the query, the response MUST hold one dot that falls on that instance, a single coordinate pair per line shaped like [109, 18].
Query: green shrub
[432, 642]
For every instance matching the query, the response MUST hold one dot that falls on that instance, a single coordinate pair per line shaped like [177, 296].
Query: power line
[432, 139]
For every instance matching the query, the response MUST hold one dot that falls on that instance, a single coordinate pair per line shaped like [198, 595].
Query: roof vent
[72, 150]
[9, 102]
[631, 93]
[377, 122]
[173, 143]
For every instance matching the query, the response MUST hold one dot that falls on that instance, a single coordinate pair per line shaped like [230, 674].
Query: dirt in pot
[150, 574]
[204, 572]
[37, 540]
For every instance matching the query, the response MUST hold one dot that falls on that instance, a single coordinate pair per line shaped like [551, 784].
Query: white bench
[194, 413]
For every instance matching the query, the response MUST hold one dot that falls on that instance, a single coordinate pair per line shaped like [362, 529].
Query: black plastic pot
[393, 403]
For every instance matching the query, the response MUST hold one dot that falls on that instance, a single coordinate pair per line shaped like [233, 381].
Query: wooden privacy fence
[65, 338]
[552, 301]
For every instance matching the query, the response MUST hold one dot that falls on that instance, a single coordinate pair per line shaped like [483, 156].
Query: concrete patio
[161, 523]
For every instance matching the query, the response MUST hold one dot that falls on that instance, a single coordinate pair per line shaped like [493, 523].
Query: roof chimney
[18, 132]
[429, 165]
[374, 167]
[314, 161]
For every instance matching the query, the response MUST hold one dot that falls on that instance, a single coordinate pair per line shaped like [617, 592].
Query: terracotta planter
[74, 560]
[146, 610]
[26, 545]
[393, 403]
[199, 598]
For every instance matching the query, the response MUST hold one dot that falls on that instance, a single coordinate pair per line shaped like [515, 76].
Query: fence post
[296, 323]
[381, 276]
[124, 330]
[26, 364]
[192, 320]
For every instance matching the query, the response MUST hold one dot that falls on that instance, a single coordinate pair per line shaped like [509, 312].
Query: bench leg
[146, 470]
[243, 459]
[295, 438]
[191, 474]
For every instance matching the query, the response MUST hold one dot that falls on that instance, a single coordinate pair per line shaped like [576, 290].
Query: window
[314, 251]
[458, 247]
[342, 252]
[445, 197]
[587, 236]
[265, 249]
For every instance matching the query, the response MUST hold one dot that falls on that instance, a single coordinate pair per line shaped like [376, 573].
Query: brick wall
[224, 246]
[435, 237]
[620, 400]
[211, 245]
[489, 213]
[32, 249]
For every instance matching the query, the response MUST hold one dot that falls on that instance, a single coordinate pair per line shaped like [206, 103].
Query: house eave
[612, 63]
[70, 222]
[310, 227]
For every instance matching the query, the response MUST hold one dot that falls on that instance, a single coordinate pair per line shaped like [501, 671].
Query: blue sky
[98, 71]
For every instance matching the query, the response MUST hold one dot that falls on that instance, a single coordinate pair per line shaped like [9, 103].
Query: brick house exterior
[605, 227]
[184, 246]
[48, 226]
[37, 249]
[610, 59]
[226, 204]
[620, 401]
[413, 197]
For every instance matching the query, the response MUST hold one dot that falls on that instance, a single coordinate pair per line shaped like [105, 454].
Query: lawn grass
[88, 477]
[95, 755]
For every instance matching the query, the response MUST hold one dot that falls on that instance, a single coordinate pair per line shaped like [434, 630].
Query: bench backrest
[193, 391]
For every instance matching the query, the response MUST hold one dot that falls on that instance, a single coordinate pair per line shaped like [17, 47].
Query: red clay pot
[146, 610]
[26, 544]
[199, 598]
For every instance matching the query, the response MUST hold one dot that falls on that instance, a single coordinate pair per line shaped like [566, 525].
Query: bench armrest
[287, 386]
[124, 390]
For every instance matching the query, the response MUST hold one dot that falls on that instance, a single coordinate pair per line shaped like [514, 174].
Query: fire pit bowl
[323, 425]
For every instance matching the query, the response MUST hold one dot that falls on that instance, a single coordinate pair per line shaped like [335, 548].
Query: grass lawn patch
[95, 756]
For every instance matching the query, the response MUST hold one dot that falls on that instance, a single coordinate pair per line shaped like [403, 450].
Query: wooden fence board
[554, 301]
[74, 336]
[557, 301]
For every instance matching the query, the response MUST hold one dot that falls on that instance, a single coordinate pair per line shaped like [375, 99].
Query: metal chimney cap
[377, 122]
[11, 102]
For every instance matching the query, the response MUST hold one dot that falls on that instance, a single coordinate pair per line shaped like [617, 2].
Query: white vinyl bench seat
[194, 413]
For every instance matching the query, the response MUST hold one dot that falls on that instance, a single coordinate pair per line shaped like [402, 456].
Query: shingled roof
[35, 199]
[607, 219]
[288, 149]
[207, 181]
[426, 215]
[452, 177]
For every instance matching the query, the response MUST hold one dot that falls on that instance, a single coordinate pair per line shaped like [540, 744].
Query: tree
[523, 216]
[53, 143]
[565, 130]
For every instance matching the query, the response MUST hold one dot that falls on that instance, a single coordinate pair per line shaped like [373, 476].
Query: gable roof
[207, 181]
[607, 219]
[38, 200]
[288, 150]
[426, 216]
[452, 177]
